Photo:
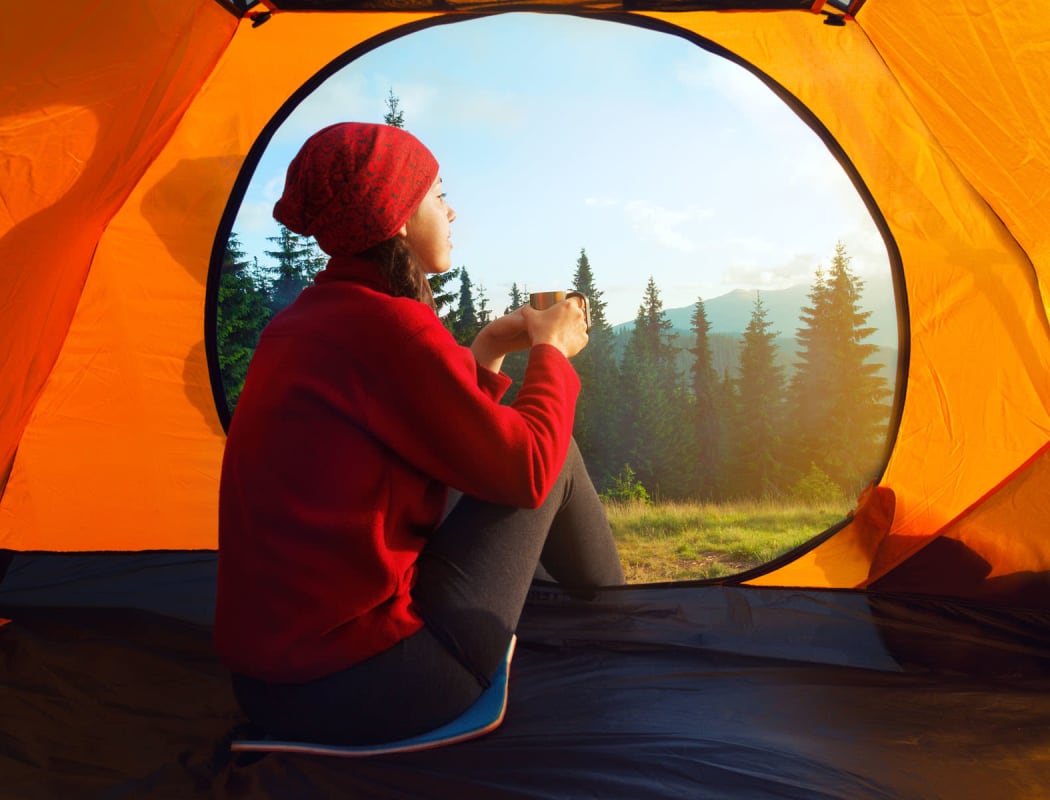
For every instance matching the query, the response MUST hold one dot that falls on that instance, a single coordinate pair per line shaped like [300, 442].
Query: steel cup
[543, 300]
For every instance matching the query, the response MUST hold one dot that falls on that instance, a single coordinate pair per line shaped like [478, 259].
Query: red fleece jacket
[358, 411]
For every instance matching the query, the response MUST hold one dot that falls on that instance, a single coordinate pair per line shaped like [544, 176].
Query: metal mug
[543, 300]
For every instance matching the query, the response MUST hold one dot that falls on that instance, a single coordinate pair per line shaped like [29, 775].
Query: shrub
[816, 488]
[626, 488]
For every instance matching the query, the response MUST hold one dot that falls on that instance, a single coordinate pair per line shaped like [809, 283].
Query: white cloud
[337, 99]
[660, 225]
[601, 201]
[869, 261]
[273, 188]
[254, 218]
[737, 85]
[760, 263]
[695, 72]
[475, 106]
[417, 101]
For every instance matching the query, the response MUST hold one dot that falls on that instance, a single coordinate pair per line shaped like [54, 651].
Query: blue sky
[557, 133]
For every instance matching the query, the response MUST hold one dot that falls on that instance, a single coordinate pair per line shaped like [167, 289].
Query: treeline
[250, 294]
[648, 428]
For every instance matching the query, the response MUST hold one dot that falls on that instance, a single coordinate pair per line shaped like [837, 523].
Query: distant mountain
[730, 313]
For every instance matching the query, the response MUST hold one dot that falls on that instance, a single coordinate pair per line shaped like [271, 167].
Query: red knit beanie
[354, 184]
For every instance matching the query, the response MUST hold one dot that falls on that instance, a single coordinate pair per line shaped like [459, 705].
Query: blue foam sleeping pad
[483, 717]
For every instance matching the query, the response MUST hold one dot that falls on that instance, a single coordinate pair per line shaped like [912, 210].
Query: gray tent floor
[646, 692]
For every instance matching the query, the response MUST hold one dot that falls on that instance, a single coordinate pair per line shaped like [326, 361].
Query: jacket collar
[352, 268]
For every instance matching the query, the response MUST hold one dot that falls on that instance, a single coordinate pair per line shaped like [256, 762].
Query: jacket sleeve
[494, 384]
[423, 397]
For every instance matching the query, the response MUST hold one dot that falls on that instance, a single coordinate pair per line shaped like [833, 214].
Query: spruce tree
[838, 367]
[241, 314]
[758, 424]
[518, 297]
[707, 455]
[484, 310]
[465, 322]
[393, 117]
[514, 363]
[297, 259]
[653, 402]
[443, 298]
[727, 407]
[597, 407]
[809, 397]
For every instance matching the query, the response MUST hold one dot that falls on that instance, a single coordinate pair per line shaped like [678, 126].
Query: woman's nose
[451, 214]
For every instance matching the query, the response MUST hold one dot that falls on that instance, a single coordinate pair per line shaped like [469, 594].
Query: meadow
[691, 541]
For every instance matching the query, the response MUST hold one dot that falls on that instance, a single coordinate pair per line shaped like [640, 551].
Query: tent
[902, 653]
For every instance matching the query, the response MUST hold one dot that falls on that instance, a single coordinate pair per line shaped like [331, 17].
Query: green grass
[688, 541]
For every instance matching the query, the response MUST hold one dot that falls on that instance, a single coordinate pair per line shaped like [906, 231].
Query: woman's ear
[403, 231]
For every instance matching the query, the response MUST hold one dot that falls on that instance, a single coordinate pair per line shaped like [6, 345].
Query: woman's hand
[563, 325]
[503, 335]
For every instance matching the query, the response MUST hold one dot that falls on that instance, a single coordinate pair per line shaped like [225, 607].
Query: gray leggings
[472, 580]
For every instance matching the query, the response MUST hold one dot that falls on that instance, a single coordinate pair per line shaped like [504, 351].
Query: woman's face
[428, 231]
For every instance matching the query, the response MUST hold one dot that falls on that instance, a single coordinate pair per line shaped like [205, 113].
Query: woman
[351, 609]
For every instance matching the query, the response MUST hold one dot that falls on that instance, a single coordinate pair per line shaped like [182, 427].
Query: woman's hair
[401, 271]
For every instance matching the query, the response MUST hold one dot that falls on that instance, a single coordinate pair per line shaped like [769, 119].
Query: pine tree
[443, 295]
[241, 314]
[514, 363]
[837, 377]
[483, 308]
[465, 322]
[653, 402]
[704, 406]
[297, 261]
[809, 398]
[597, 408]
[758, 423]
[393, 116]
[518, 298]
[727, 408]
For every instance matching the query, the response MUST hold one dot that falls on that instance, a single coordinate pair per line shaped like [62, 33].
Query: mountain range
[730, 314]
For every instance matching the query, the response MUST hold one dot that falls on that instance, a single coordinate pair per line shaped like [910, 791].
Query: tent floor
[676, 692]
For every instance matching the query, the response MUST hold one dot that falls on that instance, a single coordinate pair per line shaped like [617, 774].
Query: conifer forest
[663, 414]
